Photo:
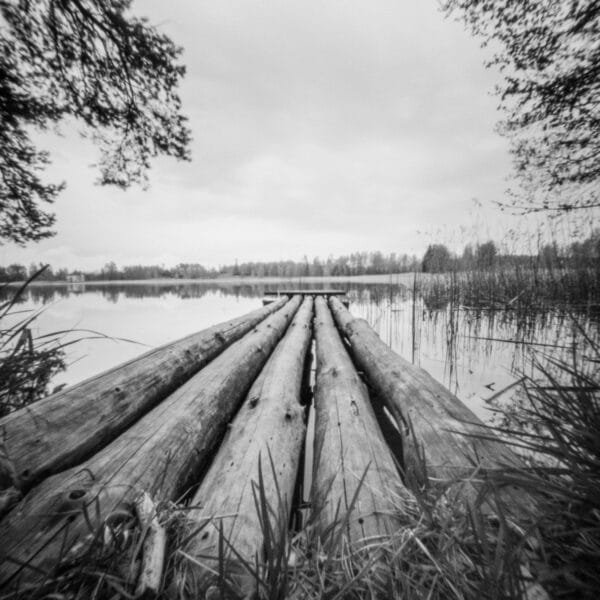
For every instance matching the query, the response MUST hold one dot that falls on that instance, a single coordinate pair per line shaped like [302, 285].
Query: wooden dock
[326, 293]
[217, 422]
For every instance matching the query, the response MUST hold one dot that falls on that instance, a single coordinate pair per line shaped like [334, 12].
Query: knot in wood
[76, 494]
[71, 503]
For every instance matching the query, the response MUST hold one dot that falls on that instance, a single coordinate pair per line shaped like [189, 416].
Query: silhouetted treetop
[91, 60]
[437, 259]
[486, 255]
[549, 54]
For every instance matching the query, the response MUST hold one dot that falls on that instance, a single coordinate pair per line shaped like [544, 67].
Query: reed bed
[516, 287]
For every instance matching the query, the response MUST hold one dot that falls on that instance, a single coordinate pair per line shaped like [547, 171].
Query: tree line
[358, 263]
[486, 256]
[437, 259]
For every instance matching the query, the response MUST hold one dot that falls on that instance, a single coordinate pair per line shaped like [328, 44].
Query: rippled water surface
[476, 353]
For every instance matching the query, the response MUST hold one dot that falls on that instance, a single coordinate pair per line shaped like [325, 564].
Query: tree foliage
[437, 259]
[93, 61]
[548, 52]
[486, 255]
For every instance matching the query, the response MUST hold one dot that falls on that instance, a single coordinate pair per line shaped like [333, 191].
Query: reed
[518, 286]
[27, 362]
[557, 427]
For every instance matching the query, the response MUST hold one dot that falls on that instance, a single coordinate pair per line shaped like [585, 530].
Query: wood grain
[160, 455]
[268, 430]
[349, 446]
[437, 427]
[68, 427]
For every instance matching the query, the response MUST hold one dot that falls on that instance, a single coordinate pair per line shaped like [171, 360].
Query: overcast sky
[319, 128]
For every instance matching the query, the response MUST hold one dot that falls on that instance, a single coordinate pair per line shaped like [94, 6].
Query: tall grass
[27, 362]
[558, 426]
[531, 287]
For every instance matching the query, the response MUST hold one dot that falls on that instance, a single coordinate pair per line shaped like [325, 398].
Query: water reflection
[475, 352]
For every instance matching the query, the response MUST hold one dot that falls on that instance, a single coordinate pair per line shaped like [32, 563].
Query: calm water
[472, 352]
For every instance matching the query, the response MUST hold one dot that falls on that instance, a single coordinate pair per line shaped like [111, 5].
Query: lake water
[474, 353]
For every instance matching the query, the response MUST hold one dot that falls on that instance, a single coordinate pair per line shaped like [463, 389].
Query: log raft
[161, 455]
[216, 422]
[66, 428]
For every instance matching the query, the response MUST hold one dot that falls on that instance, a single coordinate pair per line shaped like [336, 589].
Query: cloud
[318, 128]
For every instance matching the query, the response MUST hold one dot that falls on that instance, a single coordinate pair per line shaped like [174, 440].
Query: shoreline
[393, 278]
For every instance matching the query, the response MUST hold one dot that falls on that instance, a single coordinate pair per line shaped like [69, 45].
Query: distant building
[76, 278]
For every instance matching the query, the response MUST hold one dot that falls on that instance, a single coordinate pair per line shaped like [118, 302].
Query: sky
[319, 128]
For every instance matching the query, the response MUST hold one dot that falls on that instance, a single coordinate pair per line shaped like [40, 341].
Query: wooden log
[68, 427]
[349, 446]
[437, 427]
[160, 455]
[442, 435]
[268, 430]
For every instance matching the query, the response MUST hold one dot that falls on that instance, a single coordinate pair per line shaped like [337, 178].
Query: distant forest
[437, 258]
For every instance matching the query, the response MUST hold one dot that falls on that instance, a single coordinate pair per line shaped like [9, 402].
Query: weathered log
[437, 427]
[440, 433]
[160, 455]
[352, 460]
[68, 427]
[267, 431]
